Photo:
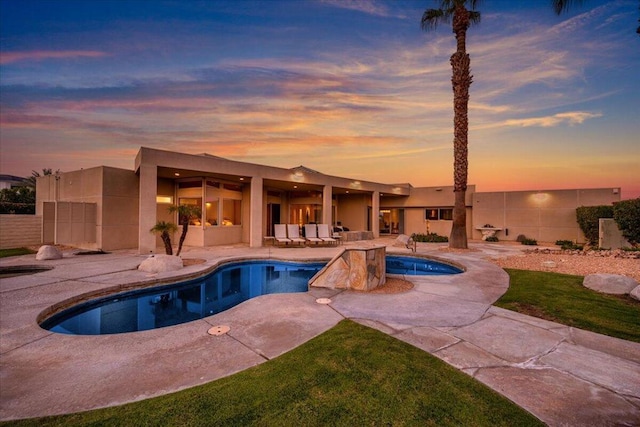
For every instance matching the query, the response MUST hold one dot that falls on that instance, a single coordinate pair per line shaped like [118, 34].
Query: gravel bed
[570, 263]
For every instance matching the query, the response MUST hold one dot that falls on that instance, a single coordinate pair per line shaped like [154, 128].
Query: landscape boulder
[161, 263]
[635, 293]
[610, 283]
[47, 252]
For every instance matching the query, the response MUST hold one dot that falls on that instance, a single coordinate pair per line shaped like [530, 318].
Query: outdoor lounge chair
[293, 233]
[323, 233]
[280, 232]
[311, 233]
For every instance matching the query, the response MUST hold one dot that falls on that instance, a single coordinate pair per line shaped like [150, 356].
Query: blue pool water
[158, 307]
[414, 266]
[225, 287]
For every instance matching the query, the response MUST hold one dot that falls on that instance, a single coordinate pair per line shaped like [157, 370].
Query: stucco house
[111, 208]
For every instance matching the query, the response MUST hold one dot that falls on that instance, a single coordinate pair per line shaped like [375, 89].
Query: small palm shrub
[165, 229]
[429, 238]
[526, 241]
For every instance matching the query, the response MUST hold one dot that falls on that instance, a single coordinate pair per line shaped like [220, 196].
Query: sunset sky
[351, 88]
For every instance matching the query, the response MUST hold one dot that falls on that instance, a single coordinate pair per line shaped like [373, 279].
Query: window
[191, 202]
[439, 214]
[446, 214]
[231, 211]
[190, 184]
[212, 212]
[164, 199]
[432, 214]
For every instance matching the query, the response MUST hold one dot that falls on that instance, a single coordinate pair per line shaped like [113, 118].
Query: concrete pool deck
[562, 375]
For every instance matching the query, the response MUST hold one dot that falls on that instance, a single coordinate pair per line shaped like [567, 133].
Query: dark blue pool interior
[414, 266]
[225, 287]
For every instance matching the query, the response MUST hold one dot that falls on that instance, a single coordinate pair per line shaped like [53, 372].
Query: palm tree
[186, 213]
[31, 181]
[165, 229]
[462, 14]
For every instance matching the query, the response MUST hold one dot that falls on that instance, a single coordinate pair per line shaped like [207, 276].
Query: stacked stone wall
[17, 231]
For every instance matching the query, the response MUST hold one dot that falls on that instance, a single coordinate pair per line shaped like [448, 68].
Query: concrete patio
[564, 376]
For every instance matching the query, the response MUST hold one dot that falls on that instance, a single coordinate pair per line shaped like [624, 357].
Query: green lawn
[562, 298]
[15, 252]
[349, 376]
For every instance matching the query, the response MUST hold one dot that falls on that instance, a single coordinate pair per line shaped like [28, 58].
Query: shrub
[491, 239]
[521, 238]
[529, 242]
[588, 217]
[568, 244]
[429, 238]
[627, 216]
[18, 200]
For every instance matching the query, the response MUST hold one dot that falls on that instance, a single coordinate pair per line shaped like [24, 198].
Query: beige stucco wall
[546, 216]
[352, 211]
[17, 231]
[119, 209]
[113, 191]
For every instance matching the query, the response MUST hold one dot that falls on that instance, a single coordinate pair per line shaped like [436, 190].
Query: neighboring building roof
[8, 181]
[12, 178]
[304, 169]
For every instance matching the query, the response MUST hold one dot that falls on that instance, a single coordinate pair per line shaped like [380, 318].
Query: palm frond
[474, 17]
[560, 6]
[473, 4]
[432, 17]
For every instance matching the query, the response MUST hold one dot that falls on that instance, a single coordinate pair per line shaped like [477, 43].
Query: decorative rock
[48, 252]
[161, 263]
[361, 269]
[610, 283]
[616, 253]
[635, 293]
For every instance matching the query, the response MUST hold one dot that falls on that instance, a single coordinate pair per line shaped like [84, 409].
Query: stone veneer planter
[361, 269]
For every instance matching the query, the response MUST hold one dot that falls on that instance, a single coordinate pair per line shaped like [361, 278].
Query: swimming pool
[223, 288]
[157, 307]
[415, 266]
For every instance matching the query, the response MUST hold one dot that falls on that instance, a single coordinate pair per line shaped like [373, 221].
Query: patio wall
[546, 216]
[17, 231]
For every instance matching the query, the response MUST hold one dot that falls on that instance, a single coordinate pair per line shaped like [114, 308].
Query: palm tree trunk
[185, 228]
[166, 239]
[461, 81]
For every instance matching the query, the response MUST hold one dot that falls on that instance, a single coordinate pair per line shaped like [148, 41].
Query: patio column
[147, 210]
[255, 206]
[327, 196]
[375, 213]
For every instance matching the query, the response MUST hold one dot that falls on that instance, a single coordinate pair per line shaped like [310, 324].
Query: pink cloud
[39, 55]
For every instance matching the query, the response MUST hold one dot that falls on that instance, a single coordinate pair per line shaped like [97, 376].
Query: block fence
[17, 231]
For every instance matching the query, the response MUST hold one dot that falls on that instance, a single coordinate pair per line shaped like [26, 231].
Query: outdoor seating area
[288, 235]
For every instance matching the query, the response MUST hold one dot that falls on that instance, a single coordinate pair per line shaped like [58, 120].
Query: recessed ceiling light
[241, 179]
[176, 174]
[295, 186]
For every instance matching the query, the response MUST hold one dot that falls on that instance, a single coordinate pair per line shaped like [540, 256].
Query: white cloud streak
[570, 118]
